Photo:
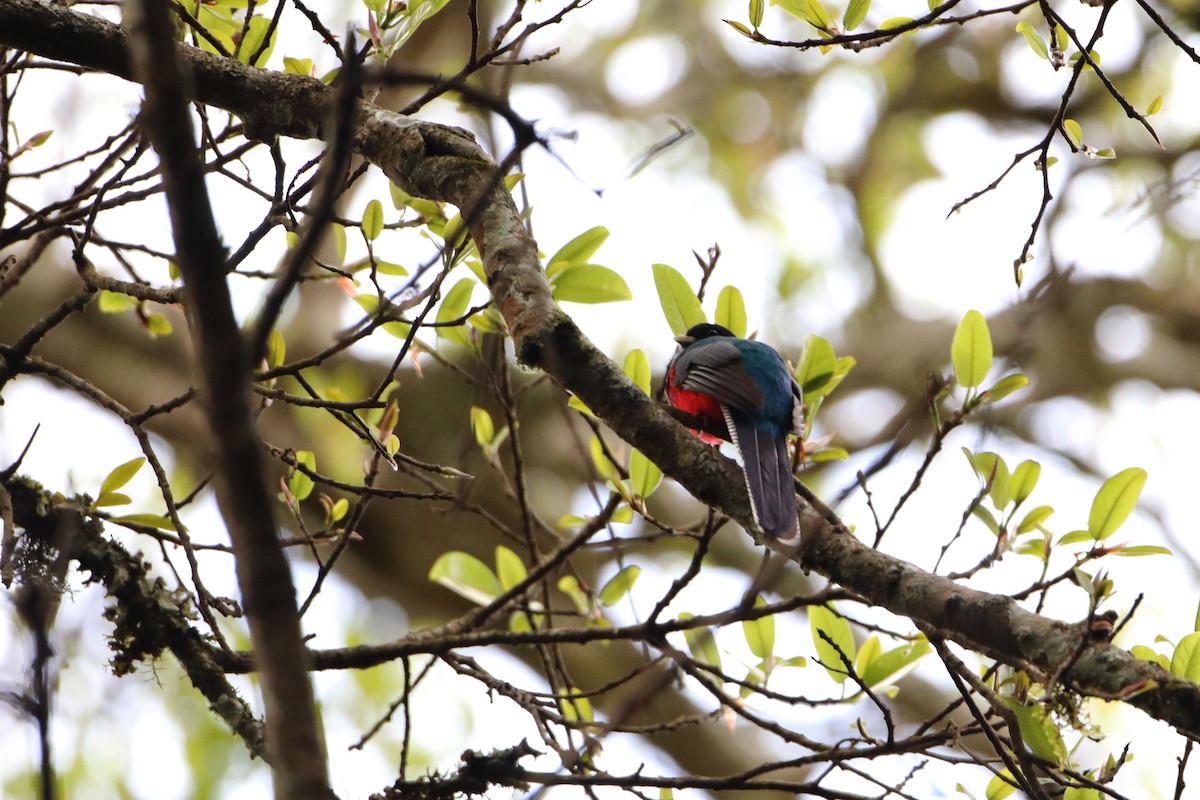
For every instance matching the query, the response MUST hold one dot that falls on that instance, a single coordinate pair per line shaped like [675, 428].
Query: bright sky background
[941, 267]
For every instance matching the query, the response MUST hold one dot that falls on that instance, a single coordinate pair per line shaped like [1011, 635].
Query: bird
[748, 387]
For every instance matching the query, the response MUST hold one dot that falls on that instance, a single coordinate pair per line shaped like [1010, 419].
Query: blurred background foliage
[834, 174]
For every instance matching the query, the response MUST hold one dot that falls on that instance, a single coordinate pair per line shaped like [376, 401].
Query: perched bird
[747, 386]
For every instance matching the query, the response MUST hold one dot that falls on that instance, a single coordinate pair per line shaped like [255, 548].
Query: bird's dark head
[704, 330]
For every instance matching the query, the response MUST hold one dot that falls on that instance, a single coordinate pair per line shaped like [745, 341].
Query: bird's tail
[769, 478]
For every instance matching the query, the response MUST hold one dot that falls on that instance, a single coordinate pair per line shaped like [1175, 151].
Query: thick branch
[294, 737]
[445, 164]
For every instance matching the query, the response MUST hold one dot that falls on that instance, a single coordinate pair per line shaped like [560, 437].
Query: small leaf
[1034, 519]
[372, 221]
[1074, 537]
[643, 474]
[339, 240]
[1074, 133]
[756, 12]
[256, 32]
[297, 66]
[604, 466]
[1155, 106]
[569, 585]
[1036, 43]
[637, 367]
[1115, 501]
[115, 302]
[701, 643]
[856, 12]
[823, 618]
[454, 305]
[679, 303]
[896, 663]
[338, 512]
[121, 475]
[466, 576]
[740, 28]
[731, 311]
[481, 424]
[1023, 480]
[299, 484]
[158, 325]
[589, 283]
[1147, 654]
[276, 349]
[577, 251]
[1000, 787]
[1185, 662]
[816, 369]
[510, 570]
[149, 520]
[971, 351]
[1136, 550]
[760, 633]
[1004, 387]
[107, 499]
[1104, 152]
[1039, 731]
[618, 586]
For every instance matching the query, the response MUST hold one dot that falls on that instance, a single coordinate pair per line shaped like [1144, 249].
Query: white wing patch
[733, 437]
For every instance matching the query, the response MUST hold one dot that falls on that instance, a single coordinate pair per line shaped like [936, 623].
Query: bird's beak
[685, 340]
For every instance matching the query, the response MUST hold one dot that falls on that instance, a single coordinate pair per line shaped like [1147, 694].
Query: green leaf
[149, 520]
[971, 350]
[619, 585]
[856, 12]
[589, 283]
[481, 424]
[1034, 519]
[574, 707]
[731, 311]
[994, 473]
[1147, 654]
[111, 499]
[412, 19]
[1074, 537]
[756, 12]
[895, 663]
[1082, 793]
[297, 66]
[823, 618]
[644, 474]
[1185, 661]
[604, 466]
[760, 633]
[372, 221]
[466, 576]
[339, 240]
[276, 348]
[338, 512]
[255, 34]
[569, 585]
[121, 475]
[817, 365]
[1036, 43]
[158, 325]
[1104, 152]
[370, 304]
[811, 11]
[701, 643]
[1004, 387]
[1155, 106]
[1137, 550]
[1023, 480]
[1074, 133]
[510, 570]
[454, 305]
[1115, 501]
[578, 251]
[999, 787]
[637, 367]
[1039, 731]
[299, 484]
[115, 302]
[679, 303]
[740, 28]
